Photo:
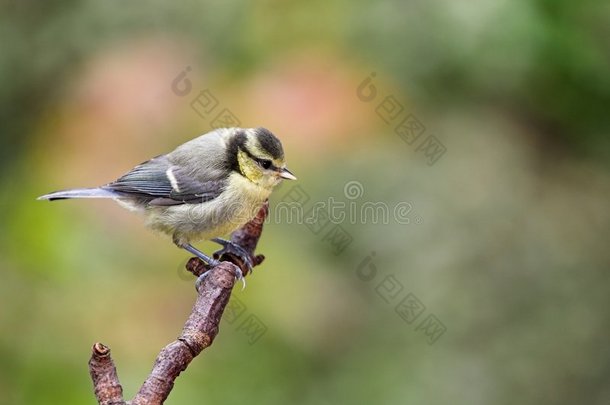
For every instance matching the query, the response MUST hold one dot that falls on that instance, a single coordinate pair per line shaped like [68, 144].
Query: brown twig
[198, 333]
[108, 390]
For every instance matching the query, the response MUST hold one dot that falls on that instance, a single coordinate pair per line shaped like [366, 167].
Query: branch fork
[199, 332]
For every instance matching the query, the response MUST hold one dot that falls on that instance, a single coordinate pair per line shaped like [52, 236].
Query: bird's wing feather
[159, 182]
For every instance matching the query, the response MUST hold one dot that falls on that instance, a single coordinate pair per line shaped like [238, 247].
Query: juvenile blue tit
[206, 188]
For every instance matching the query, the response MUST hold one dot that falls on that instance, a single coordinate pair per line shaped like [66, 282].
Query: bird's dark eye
[265, 164]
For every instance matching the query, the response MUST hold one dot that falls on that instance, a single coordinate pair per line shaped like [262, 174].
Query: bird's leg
[207, 259]
[210, 262]
[233, 248]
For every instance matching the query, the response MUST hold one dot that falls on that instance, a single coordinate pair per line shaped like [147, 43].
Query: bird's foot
[236, 250]
[212, 262]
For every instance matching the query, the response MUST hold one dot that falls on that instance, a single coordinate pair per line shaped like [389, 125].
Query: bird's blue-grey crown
[269, 143]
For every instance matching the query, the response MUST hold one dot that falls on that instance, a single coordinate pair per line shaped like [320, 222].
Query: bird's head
[260, 157]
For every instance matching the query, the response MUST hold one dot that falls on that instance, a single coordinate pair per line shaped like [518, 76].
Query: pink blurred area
[309, 98]
[120, 109]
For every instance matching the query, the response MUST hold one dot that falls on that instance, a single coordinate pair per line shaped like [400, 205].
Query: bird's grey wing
[159, 182]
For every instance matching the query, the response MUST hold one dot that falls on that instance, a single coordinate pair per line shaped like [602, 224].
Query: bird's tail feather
[79, 193]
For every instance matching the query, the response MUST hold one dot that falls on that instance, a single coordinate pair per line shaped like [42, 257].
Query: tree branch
[108, 390]
[198, 333]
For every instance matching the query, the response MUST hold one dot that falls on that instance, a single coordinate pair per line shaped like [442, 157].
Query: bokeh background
[502, 259]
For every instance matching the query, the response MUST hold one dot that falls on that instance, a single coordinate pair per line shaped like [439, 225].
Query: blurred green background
[506, 246]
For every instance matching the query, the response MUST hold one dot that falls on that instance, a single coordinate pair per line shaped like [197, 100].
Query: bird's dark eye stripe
[265, 164]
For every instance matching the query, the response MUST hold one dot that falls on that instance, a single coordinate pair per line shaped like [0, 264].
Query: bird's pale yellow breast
[235, 206]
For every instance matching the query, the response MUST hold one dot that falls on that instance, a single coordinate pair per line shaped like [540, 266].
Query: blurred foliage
[509, 252]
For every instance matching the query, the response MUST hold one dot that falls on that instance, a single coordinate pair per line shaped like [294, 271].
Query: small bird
[204, 189]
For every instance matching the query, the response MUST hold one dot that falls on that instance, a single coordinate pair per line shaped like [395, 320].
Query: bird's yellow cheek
[249, 168]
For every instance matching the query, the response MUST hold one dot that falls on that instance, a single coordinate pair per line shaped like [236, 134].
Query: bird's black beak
[285, 174]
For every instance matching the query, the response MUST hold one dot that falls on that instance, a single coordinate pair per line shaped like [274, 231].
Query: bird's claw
[240, 276]
[200, 280]
[236, 250]
[227, 247]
